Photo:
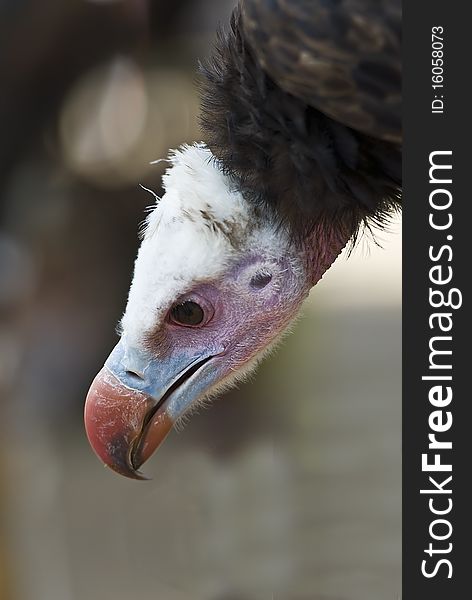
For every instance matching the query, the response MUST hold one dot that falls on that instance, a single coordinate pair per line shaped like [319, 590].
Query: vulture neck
[315, 175]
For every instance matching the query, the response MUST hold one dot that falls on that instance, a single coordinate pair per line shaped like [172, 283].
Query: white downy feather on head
[200, 226]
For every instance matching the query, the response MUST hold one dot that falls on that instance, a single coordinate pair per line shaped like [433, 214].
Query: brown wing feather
[342, 57]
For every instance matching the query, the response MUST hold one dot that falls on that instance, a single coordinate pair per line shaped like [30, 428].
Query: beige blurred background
[286, 489]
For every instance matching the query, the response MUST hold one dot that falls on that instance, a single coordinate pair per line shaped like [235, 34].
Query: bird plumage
[286, 152]
[340, 56]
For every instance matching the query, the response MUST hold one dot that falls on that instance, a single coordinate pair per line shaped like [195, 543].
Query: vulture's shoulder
[342, 57]
[281, 123]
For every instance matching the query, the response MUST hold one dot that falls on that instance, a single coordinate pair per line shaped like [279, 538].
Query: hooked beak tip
[120, 458]
[118, 425]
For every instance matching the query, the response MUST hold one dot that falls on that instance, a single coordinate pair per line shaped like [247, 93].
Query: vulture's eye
[187, 313]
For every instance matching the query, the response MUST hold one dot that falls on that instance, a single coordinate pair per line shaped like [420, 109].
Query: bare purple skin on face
[247, 309]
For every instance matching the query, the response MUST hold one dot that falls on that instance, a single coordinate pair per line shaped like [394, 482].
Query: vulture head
[216, 283]
[301, 115]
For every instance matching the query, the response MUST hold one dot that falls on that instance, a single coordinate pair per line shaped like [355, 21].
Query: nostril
[134, 374]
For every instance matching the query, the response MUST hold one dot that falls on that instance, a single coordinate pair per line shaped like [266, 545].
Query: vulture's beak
[134, 401]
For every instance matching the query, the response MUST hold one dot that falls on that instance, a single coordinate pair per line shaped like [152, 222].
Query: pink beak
[122, 425]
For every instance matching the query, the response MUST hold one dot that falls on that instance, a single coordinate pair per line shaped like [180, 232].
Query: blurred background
[288, 488]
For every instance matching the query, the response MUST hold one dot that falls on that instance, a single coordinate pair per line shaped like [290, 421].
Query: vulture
[300, 112]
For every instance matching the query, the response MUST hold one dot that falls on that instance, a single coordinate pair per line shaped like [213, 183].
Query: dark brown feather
[340, 56]
[287, 155]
